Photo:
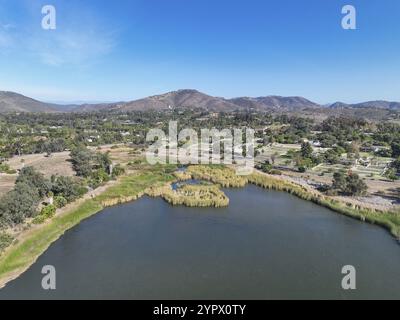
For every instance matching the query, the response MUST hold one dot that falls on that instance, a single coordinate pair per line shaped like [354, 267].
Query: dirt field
[6, 182]
[120, 154]
[379, 190]
[57, 164]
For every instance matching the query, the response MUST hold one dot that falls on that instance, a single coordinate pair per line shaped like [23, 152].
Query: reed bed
[191, 195]
[183, 175]
[219, 174]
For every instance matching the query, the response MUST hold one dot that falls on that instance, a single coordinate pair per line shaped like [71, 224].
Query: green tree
[36, 180]
[350, 184]
[66, 187]
[306, 150]
[391, 174]
[339, 180]
[103, 160]
[265, 167]
[82, 161]
[395, 149]
[118, 170]
[331, 156]
[98, 177]
[19, 203]
[355, 186]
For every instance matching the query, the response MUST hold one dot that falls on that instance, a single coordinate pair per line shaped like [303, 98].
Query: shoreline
[387, 219]
[31, 243]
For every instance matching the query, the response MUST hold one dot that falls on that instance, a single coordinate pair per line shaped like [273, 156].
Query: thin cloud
[7, 26]
[76, 41]
[6, 39]
[58, 48]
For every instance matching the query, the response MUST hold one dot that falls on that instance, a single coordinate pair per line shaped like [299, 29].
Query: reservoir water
[265, 245]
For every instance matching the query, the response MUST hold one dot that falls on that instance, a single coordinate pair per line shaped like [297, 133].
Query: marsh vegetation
[192, 195]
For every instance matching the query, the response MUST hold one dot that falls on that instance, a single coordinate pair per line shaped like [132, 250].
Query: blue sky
[127, 49]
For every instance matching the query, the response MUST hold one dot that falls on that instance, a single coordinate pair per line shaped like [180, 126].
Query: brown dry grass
[7, 182]
[57, 163]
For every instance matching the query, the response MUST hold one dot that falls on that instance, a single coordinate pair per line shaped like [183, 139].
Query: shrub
[118, 170]
[98, 177]
[265, 167]
[302, 169]
[39, 219]
[391, 174]
[60, 201]
[5, 168]
[82, 190]
[276, 172]
[5, 241]
[46, 213]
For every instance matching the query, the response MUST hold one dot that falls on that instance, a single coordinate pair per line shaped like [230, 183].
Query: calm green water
[265, 245]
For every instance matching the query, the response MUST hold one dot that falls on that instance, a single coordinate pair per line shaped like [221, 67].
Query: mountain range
[186, 98]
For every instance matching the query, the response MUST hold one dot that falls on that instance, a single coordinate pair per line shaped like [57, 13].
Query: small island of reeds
[192, 195]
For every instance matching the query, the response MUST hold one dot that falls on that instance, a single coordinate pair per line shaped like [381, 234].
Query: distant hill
[378, 104]
[14, 102]
[187, 98]
[275, 102]
[180, 99]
